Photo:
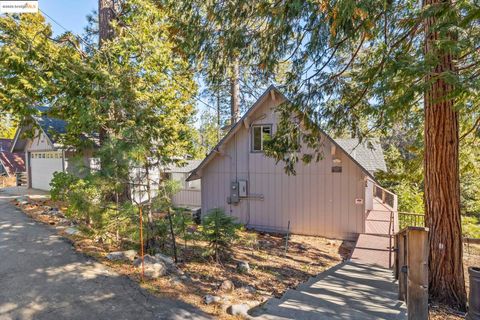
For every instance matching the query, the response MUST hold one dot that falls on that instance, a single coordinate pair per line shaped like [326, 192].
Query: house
[328, 198]
[43, 154]
[189, 195]
[11, 163]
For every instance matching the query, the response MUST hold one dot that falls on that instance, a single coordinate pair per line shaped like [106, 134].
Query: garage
[42, 167]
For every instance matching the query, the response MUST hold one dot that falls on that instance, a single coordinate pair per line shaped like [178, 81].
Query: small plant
[219, 230]
[182, 225]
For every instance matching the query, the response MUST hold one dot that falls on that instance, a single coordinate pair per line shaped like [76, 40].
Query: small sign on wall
[358, 201]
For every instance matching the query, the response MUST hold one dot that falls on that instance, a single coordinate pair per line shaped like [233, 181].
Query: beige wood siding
[40, 142]
[315, 200]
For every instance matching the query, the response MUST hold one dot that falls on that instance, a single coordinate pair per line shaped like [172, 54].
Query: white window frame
[252, 138]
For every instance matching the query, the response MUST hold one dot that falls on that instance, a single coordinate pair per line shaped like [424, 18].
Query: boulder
[72, 231]
[249, 289]
[209, 299]
[164, 258]
[154, 268]
[243, 267]
[227, 286]
[128, 255]
[146, 259]
[239, 310]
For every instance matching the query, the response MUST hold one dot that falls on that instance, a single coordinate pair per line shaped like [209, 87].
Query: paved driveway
[42, 277]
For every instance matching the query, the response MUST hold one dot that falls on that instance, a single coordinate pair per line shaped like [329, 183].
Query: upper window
[260, 134]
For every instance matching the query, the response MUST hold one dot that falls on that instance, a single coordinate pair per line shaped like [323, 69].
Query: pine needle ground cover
[271, 271]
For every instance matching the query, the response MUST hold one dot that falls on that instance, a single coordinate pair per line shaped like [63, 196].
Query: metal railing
[410, 219]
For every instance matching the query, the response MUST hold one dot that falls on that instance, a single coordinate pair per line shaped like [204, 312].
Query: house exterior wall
[315, 200]
[40, 170]
[189, 194]
[40, 142]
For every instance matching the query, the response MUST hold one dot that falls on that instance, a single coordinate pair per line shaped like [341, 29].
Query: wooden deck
[373, 246]
[350, 291]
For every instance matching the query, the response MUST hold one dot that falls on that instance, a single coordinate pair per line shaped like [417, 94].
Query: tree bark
[106, 13]
[442, 182]
[105, 32]
[235, 92]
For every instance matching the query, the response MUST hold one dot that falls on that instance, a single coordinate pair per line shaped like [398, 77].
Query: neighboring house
[43, 155]
[11, 163]
[190, 192]
[328, 198]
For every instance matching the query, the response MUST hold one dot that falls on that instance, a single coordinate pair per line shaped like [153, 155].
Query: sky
[71, 14]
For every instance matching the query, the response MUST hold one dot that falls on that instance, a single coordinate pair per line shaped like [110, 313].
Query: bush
[220, 231]
[471, 227]
[182, 225]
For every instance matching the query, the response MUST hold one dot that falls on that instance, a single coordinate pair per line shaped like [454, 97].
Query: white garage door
[42, 167]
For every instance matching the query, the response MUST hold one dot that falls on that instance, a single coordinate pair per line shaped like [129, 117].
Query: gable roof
[12, 162]
[50, 126]
[359, 157]
[369, 154]
[189, 166]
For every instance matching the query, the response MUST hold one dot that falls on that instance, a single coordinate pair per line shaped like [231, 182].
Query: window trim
[260, 125]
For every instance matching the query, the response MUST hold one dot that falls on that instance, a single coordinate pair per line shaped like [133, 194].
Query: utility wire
[94, 49]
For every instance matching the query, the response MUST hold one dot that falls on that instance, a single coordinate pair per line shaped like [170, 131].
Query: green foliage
[7, 127]
[184, 225]
[471, 227]
[219, 230]
[208, 134]
[404, 176]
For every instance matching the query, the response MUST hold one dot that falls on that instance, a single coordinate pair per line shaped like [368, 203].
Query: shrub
[182, 225]
[219, 230]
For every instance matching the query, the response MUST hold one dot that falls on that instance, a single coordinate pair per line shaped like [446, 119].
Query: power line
[93, 48]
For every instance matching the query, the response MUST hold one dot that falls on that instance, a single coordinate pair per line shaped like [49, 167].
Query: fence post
[417, 262]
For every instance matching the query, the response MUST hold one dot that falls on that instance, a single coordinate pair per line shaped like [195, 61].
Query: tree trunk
[105, 32]
[106, 13]
[151, 243]
[235, 92]
[442, 185]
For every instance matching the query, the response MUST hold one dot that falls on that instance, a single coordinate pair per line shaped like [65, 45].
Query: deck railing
[410, 219]
[385, 196]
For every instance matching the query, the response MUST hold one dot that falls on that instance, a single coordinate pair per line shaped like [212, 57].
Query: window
[260, 134]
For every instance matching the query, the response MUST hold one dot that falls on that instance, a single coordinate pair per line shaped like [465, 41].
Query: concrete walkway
[42, 277]
[348, 291]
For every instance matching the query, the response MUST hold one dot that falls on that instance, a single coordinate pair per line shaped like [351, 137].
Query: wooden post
[396, 269]
[402, 267]
[417, 262]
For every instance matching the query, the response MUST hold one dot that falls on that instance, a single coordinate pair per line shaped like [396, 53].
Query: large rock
[72, 231]
[243, 267]
[248, 289]
[146, 259]
[209, 299]
[164, 258]
[154, 268]
[128, 255]
[227, 286]
[239, 310]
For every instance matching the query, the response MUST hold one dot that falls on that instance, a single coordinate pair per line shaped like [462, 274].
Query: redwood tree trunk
[442, 182]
